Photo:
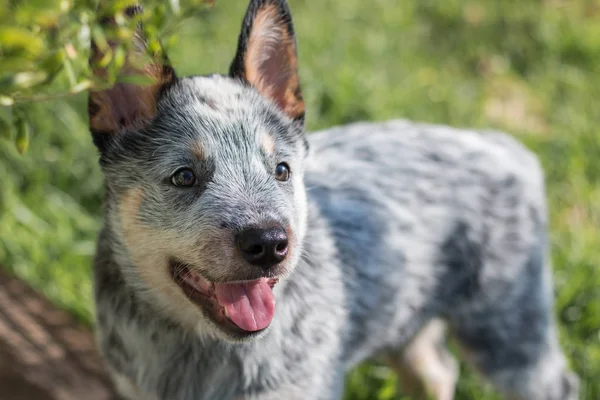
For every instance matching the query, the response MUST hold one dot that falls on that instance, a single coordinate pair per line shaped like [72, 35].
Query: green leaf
[15, 39]
[23, 133]
[68, 65]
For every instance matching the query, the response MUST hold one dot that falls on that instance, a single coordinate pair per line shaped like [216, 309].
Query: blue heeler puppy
[243, 259]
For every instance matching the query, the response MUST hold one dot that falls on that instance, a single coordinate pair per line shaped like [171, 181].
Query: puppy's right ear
[267, 58]
[127, 106]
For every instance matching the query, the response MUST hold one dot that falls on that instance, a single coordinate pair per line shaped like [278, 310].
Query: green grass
[528, 67]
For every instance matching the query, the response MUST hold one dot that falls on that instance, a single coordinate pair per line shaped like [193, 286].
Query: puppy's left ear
[128, 105]
[266, 56]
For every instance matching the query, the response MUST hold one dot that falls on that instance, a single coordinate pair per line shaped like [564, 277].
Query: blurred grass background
[530, 67]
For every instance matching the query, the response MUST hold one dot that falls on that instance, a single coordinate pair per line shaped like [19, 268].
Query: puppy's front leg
[426, 367]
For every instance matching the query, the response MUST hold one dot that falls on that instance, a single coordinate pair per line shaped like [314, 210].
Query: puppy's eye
[282, 172]
[183, 177]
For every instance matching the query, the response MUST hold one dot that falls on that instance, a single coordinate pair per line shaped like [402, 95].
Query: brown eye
[282, 172]
[183, 178]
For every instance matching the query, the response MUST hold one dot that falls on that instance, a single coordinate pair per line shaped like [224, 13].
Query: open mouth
[241, 307]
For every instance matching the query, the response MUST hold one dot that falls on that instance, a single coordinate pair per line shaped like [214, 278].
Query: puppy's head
[205, 177]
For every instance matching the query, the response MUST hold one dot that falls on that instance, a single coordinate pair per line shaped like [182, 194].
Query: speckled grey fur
[397, 223]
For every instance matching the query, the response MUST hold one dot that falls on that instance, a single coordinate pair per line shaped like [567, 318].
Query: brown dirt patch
[44, 353]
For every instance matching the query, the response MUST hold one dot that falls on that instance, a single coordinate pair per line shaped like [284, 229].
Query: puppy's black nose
[263, 247]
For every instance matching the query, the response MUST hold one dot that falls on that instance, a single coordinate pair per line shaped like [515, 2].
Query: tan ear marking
[270, 61]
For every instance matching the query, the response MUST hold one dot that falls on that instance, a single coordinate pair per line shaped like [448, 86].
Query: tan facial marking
[149, 249]
[267, 142]
[147, 246]
[198, 150]
[129, 208]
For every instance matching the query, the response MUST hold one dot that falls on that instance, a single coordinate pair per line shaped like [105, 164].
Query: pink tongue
[250, 305]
